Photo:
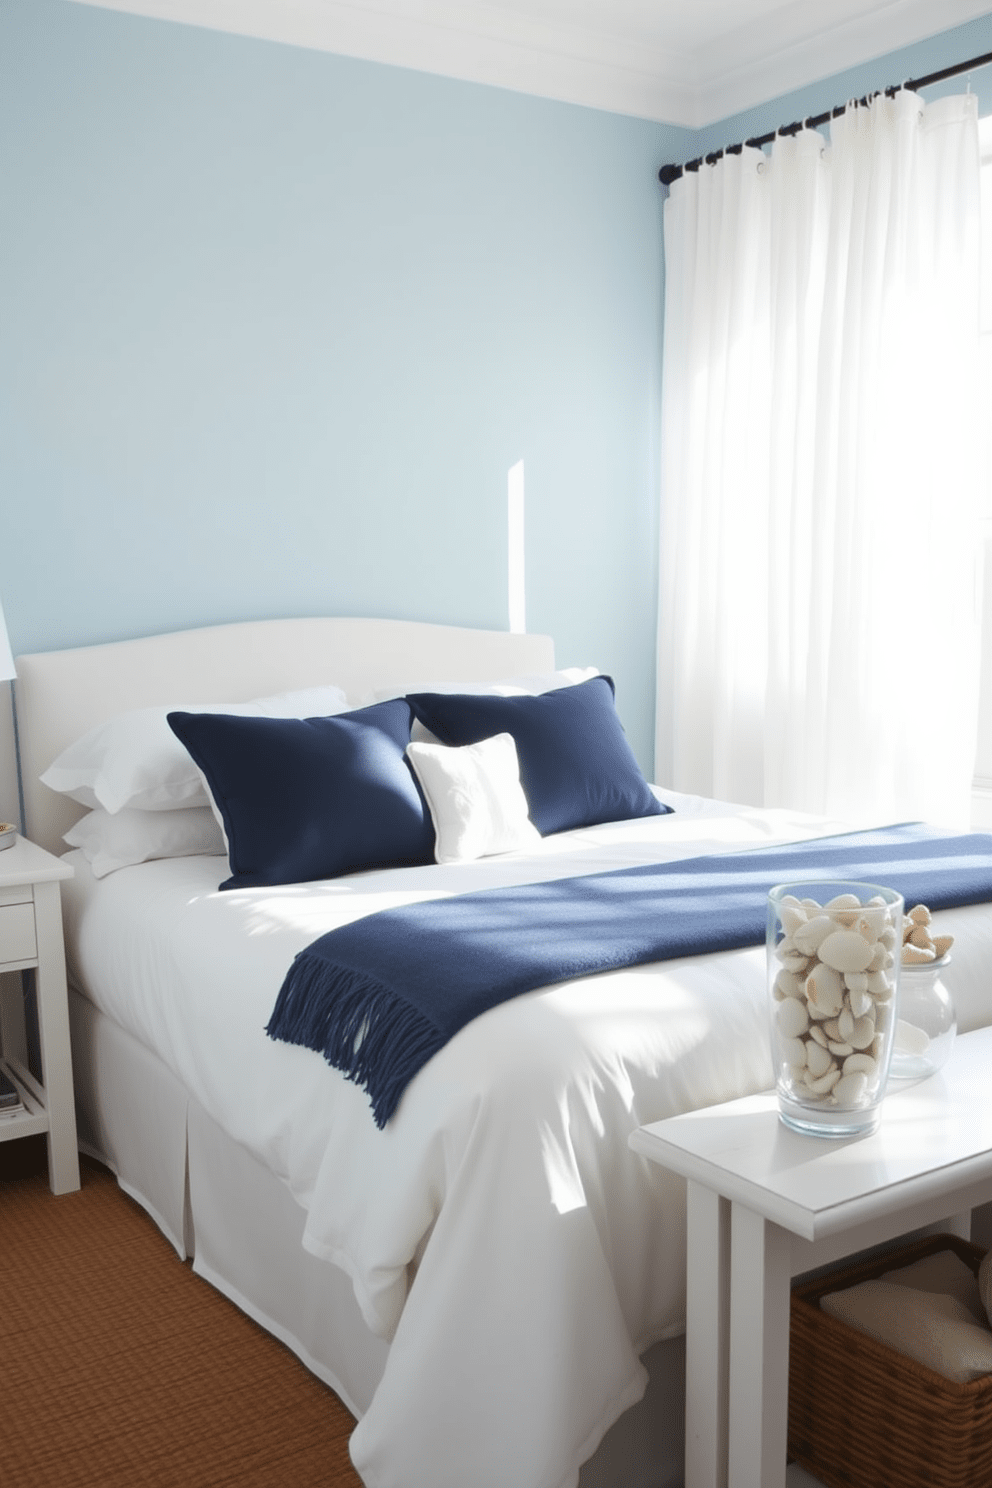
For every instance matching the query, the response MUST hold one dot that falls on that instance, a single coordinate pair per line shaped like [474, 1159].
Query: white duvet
[498, 1232]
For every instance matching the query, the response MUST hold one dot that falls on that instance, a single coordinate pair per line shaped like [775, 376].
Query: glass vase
[927, 1023]
[833, 981]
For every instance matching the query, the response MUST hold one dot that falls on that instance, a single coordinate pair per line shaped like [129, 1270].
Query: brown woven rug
[121, 1368]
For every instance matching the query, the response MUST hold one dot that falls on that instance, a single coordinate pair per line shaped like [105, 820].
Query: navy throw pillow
[576, 766]
[309, 798]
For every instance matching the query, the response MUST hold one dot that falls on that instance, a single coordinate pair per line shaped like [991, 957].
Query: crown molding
[662, 61]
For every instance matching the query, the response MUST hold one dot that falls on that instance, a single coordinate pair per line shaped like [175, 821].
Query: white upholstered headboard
[61, 694]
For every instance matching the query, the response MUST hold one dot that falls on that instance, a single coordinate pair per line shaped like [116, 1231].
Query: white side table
[31, 936]
[765, 1204]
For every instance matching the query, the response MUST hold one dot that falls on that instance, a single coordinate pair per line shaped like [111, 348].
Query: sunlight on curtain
[818, 614]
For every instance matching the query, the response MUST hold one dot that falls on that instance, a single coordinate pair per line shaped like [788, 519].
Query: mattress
[498, 1234]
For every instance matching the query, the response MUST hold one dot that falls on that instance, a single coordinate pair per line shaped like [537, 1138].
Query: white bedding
[498, 1232]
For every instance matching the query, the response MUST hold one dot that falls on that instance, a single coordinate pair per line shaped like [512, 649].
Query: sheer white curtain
[821, 458]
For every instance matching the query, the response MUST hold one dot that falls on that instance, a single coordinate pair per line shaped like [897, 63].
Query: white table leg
[56, 1055]
[707, 1359]
[760, 1276]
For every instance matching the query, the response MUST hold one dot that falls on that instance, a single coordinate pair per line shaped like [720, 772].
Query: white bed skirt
[243, 1229]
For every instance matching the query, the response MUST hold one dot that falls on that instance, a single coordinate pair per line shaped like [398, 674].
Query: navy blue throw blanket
[380, 996]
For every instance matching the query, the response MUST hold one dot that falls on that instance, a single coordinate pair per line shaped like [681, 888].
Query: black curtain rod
[670, 173]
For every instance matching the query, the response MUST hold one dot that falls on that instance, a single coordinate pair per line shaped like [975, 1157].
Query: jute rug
[120, 1368]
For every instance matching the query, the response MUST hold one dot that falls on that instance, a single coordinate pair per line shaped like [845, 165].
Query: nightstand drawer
[18, 941]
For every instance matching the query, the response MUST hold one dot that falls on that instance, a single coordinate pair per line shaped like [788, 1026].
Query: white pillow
[128, 837]
[136, 760]
[475, 798]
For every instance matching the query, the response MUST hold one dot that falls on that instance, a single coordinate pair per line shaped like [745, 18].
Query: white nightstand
[766, 1204]
[31, 936]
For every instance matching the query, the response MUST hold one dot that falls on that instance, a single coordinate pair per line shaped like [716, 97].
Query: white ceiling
[688, 62]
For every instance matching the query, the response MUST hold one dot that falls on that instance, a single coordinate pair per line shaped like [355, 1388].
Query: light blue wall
[275, 324]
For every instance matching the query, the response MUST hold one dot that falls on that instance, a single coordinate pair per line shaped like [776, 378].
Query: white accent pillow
[136, 760]
[128, 837]
[475, 797]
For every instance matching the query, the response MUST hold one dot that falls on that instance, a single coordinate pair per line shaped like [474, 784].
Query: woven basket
[862, 1415]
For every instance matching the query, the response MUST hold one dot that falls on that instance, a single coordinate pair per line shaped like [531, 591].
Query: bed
[492, 1282]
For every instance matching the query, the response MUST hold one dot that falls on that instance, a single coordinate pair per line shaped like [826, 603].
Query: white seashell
[793, 918]
[920, 915]
[879, 955]
[787, 984]
[818, 1060]
[864, 1032]
[860, 1064]
[846, 950]
[850, 1089]
[817, 1033]
[879, 986]
[860, 1002]
[832, 1029]
[890, 937]
[826, 1082]
[825, 990]
[792, 960]
[871, 923]
[809, 937]
[794, 1052]
[841, 1049]
[845, 1023]
[812, 906]
[792, 1018]
[910, 1039]
[843, 901]
[942, 944]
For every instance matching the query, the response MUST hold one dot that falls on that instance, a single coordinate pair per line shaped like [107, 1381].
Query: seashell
[864, 1033]
[942, 944]
[793, 960]
[879, 955]
[812, 906]
[792, 1018]
[843, 901]
[910, 1039]
[860, 1064]
[860, 1002]
[787, 984]
[921, 938]
[794, 1053]
[817, 1033]
[826, 1082]
[841, 1049]
[916, 955]
[845, 1023]
[850, 1089]
[920, 915]
[846, 950]
[818, 1060]
[879, 986]
[890, 937]
[832, 1029]
[870, 924]
[856, 981]
[824, 989]
[794, 917]
[809, 936]
[790, 899]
